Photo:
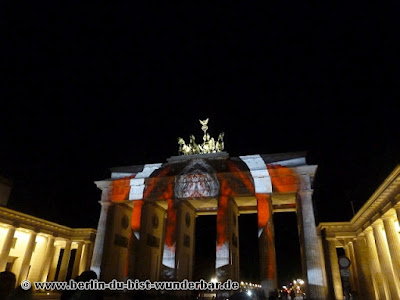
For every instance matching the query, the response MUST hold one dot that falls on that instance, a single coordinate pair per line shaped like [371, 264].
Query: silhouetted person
[7, 284]
[86, 276]
[271, 296]
[292, 294]
[21, 294]
[67, 294]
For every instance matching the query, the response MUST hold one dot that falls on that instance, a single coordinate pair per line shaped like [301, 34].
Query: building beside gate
[39, 250]
[371, 240]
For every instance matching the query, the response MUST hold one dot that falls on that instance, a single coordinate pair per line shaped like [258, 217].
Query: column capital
[305, 192]
[368, 229]
[360, 235]
[348, 241]
[105, 203]
[389, 217]
[397, 205]
[378, 224]
[14, 225]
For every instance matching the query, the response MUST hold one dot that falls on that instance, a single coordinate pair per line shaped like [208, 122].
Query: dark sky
[86, 87]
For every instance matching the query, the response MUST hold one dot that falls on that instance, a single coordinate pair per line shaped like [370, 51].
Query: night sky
[86, 87]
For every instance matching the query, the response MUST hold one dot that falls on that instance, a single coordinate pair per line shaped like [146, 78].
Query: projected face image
[196, 180]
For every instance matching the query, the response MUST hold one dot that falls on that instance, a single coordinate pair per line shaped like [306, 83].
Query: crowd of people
[283, 295]
[8, 290]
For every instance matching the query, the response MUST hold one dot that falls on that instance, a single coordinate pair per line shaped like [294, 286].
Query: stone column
[186, 221]
[84, 258]
[349, 252]
[23, 273]
[227, 253]
[334, 264]
[5, 250]
[385, 259]
[47, 259]
[394, 244]
[311, 250]
[266, 246]
[100, 237]
[380, 284]
[90, 247]
[54, 263]
[397, 209]
[363, 270]
[65, 260]
[353, 267]
[78, 254]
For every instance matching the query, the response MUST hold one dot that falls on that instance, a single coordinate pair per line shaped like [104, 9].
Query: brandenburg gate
[147, 222]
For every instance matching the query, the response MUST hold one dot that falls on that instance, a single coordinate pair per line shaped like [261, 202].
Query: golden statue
[208, 146]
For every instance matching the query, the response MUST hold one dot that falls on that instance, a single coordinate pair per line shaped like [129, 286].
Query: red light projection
[231, 184]
[263, 209]
[283, 179]
[222, 212]
[136, 215]
[162, 185]
[223, 179]
[120, 189]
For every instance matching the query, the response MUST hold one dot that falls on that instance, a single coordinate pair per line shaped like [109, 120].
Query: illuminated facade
[147, 222]
[39, 250]
[371, 240]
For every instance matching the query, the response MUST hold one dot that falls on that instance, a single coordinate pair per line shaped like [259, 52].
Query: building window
[121, 241]
[9, 266]
[14, 242]
[234, 240]
[154, 221]
[124, 222]
[186, 241]
[152, 241]
[187, 220]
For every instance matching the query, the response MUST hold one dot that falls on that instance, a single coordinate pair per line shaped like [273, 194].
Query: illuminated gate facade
[147, 222]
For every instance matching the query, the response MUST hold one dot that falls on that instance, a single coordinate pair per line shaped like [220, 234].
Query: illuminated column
[397, 209]
[47, 259]
[65, 260]
[54, 263]
[348, 254]
[90, 247]
[78, 254]
[353, 267]
[227, 250]
[185, 241]
[84, 258]
[379, 281]
[5, 251]
[100, 237]
[334, 264]
[366, 290]
[385, 260]
[394, 243]
[266, 244]
[151, 262]
[311, 251]
[23, 273]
